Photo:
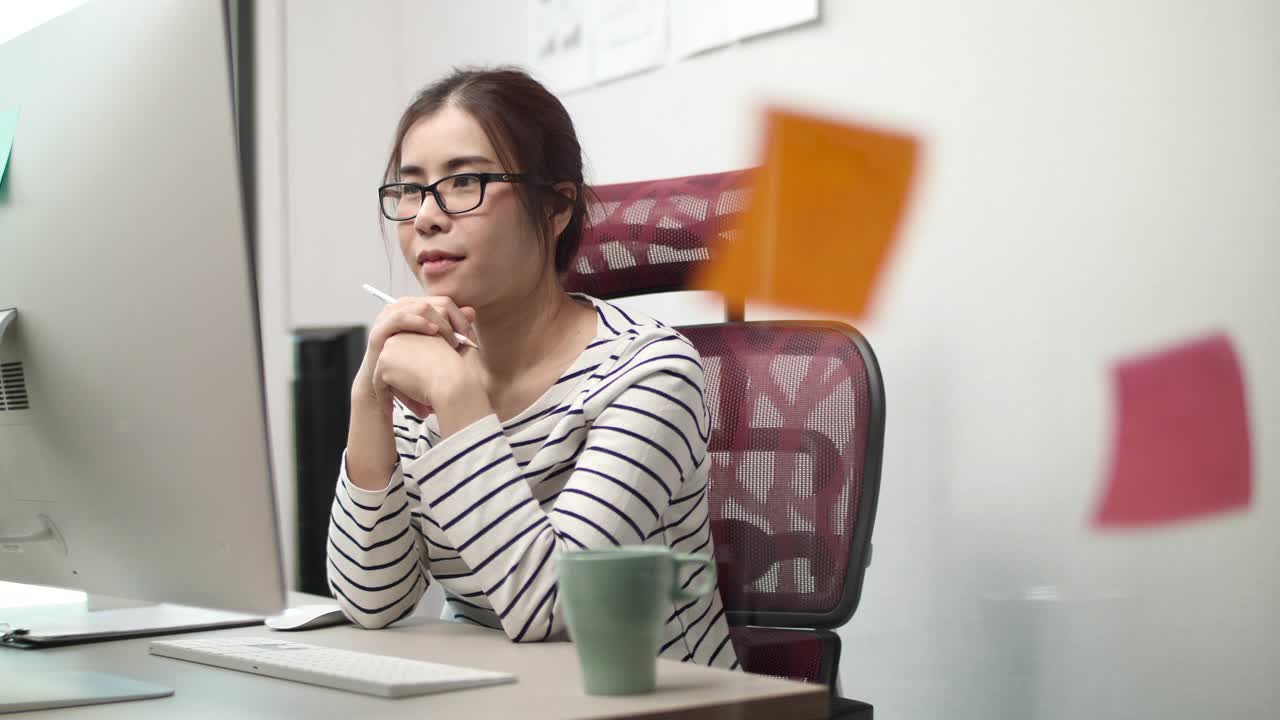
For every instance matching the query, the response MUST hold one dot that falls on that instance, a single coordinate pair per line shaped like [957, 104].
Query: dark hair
[531, 132]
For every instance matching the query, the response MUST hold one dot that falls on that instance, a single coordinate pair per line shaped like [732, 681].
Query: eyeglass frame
[485, 179]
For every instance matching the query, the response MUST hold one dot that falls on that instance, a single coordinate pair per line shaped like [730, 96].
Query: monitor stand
[100, 617]
[97, 618]
[35, 690]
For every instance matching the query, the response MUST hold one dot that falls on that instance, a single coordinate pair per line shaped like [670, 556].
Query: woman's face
[477, 257]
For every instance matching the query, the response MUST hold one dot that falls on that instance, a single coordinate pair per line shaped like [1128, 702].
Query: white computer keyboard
[360, 672]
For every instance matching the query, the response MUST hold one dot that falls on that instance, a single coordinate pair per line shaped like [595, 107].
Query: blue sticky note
[8, 125]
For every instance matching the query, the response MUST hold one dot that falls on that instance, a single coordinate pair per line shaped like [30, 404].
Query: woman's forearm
[371, 447]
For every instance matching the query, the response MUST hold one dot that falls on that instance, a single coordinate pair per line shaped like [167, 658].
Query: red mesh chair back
[805, 655]
[797, 412]
[797, 428]
[646, 237]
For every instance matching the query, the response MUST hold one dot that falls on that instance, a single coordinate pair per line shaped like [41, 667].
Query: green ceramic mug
[616, 603]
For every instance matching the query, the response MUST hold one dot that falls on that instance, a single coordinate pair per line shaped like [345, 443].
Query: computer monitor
[133, 440]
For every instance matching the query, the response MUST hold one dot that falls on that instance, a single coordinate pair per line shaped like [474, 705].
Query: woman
[572, 424]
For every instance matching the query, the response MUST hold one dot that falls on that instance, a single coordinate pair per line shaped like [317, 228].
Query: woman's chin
[436, 286]
[446, 288]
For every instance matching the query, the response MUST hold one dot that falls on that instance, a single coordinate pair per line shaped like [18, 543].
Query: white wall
[343, 98]
[1100, 178]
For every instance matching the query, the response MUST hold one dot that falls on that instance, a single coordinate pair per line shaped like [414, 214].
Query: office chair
[797, 415]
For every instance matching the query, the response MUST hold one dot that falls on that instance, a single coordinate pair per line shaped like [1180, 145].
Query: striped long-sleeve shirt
[614, 453]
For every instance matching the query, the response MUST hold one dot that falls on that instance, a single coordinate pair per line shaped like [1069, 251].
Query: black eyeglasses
[454, 194]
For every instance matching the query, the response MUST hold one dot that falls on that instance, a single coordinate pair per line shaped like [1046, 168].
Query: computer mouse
[307, 617]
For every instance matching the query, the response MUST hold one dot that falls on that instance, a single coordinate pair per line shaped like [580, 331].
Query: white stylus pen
[389, 300]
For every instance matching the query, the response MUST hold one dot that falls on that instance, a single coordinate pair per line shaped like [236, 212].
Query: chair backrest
[806, 655]
[797, 412]
[647, 237]
[797, 431]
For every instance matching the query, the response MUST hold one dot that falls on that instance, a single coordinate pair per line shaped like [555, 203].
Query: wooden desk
[549, 683]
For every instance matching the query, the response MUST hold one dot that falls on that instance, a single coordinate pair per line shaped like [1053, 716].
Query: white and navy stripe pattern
[614, 453]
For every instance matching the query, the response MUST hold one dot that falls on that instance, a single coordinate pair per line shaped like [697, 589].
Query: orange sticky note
[825, 207]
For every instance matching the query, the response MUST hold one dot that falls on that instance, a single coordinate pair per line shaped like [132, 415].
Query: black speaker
[325, 364]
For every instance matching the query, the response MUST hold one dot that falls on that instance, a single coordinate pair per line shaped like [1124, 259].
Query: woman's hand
[426, 316]
[428, 374]
[371, 447]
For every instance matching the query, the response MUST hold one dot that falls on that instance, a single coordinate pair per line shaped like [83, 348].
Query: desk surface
[549, 683]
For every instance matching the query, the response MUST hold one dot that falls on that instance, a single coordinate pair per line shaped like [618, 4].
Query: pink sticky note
[1181, 444]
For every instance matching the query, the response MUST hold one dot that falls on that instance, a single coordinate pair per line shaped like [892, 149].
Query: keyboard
[360, 672]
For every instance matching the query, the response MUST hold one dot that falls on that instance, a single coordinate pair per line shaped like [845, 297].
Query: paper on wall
[701, 25]
[559, 46]
[627, 36]
[756, 17]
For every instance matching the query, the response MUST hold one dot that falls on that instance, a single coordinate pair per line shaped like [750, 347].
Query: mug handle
[699, 589]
